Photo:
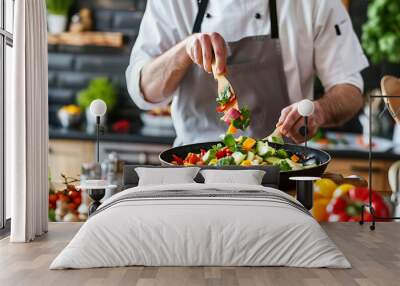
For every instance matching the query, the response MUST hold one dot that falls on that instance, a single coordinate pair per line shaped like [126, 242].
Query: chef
[271, 52]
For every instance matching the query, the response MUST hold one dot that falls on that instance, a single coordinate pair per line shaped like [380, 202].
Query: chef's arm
[340, 103]
[161, 76]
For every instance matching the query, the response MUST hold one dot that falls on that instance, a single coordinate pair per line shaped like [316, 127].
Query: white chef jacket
[310, 42]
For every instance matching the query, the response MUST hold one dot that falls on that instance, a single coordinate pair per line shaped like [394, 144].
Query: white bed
[225, 225]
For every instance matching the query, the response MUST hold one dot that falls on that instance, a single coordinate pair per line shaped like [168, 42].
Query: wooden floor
[375, 257]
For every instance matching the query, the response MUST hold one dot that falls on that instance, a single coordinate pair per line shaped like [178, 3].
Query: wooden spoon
[223, 83]
[391, 87]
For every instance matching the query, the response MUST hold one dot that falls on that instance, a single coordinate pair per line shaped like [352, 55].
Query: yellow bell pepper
[249, 143]
[246, 163]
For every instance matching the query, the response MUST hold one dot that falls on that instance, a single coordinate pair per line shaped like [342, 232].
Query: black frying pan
[321, 158]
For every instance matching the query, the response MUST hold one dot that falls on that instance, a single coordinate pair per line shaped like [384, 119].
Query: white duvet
[202, 231]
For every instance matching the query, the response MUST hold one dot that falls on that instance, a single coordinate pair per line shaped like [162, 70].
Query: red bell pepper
[348, 206]
[336, 206]
[177, 159]
[192, 158]
[223, 107]
[380, 208]
[223, 153]
[338, 217]
[359, 194]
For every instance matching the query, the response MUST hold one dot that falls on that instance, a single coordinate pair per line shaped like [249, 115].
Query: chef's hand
[291, 122]
[203, 47]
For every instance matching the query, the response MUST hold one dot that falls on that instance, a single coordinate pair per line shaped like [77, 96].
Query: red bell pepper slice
[220, 154]
[177, 159]
[223, 107]
[193, 158]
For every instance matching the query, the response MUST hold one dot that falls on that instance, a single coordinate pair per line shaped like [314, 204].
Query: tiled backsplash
[71, 68]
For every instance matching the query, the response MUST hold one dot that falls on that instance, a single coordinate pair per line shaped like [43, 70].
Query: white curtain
[27, 124]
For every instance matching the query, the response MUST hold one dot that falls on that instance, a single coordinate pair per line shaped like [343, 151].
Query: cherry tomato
[63, 197]
[73, 194]
[52, 205]
[72, 206]
[202, 152]
[53, 198]
[77, 201]
[71, 188]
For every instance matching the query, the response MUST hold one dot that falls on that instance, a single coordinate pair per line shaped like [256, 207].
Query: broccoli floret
[283, 165]
[282, 154]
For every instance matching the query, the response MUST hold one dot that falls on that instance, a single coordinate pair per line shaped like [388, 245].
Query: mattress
[201, 225]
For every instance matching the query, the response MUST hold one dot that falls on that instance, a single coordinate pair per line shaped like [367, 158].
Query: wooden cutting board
[105, 39]
[390, 86]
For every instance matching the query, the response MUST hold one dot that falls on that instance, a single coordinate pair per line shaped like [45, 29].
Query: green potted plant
[381, 34]
[99, 88]
[57, 15]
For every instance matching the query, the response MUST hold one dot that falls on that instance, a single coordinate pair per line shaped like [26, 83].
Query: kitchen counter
[138, 137]
[132, 137]
[389, 155]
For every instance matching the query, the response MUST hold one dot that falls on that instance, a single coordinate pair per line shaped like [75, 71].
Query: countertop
[138, 137]
[131, 137]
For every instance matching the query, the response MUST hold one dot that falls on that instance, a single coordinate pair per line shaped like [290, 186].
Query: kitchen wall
[71, 68]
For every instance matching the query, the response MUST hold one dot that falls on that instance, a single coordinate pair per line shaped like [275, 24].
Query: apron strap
[200, 15]
[273, 17]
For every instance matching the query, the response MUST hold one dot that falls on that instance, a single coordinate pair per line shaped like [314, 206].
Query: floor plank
[375, 257]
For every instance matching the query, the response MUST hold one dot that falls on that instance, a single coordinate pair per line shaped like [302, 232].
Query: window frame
[6, 39]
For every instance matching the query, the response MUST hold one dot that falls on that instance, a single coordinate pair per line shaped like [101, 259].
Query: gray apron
[255, 70]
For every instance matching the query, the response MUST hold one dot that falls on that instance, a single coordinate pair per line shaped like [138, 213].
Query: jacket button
[258, 16]
[208, 15]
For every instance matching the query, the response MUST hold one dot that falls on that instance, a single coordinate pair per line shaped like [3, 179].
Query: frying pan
[322, 159]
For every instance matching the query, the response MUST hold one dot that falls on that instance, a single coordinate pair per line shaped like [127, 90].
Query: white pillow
[166, 176]
[245, 177]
